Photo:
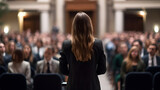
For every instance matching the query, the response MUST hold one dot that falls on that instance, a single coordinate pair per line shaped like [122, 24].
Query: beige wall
[142, 0]
[153, 17]
[10, 19]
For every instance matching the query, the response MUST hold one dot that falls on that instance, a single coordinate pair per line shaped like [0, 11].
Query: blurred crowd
[37, 47]
[130, 52]
[31, 53]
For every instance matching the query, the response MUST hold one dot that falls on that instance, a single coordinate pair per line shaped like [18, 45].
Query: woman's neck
[134, 61]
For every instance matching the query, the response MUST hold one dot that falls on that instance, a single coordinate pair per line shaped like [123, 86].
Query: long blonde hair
[129, 58]
[82, 37]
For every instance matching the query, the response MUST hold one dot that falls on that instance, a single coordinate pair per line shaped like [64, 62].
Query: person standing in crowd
[1, 60]
[132, 63]
[152, 59]
[28, 56]
[5, 58]
[48, 65]
[139, 44]
[18, 65]
[18, 41]
[82, 58]
[38, 49]
[11, 47]
[117, 62]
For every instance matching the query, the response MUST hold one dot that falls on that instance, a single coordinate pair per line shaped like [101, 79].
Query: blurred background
[107, 15]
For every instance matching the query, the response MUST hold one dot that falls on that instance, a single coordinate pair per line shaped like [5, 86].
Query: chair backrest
[2, 70]
[156, 81]
[153, 69]
[32, 72]
[138, 81]
[10, 81]
[47, 82]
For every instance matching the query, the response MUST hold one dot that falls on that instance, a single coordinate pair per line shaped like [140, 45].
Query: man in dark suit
[152, 59]
[48, 64]
[138, 43]
[6, 57]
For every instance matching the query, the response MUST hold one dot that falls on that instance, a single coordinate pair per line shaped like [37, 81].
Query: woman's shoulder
[66, 44]
[25, 63]
[124, 62]
[10, 63]
[98, 42]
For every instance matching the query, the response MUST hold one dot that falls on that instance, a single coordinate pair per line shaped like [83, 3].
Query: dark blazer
[82, 75]
[144, 52]
[146, 59]
[7, 58]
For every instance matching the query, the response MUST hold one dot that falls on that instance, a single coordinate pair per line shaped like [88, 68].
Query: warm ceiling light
[22, 14]
[156, 28]
[6, 29]
[142, 13]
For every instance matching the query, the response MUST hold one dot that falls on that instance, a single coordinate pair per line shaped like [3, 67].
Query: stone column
[119, 21]
[102, 17]
[60, 15]
[43, 0]
[44, 22]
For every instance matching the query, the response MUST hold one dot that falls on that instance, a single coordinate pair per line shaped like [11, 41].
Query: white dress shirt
[45, 66]
[154, 61]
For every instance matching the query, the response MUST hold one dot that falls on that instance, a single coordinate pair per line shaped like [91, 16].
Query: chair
[2, 70]
[10, 81]
[47, 82]
[153, 69]
[156, 81]
[138, 81]
[32, 72]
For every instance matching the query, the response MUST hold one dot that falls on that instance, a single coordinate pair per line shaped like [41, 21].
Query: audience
[33, 46]
[117, 61]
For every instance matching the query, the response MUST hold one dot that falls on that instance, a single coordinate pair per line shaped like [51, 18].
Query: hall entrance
[72, 7]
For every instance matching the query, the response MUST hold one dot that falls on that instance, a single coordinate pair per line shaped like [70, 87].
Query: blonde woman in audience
[132, 63]
[18, 65]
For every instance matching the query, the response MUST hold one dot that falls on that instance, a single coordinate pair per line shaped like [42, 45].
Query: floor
[105, 83]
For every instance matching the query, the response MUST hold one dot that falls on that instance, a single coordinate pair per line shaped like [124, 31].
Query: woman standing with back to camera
[82, 58]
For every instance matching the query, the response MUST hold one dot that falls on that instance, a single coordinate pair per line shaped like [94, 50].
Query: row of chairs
[142, 81]
[10, 81]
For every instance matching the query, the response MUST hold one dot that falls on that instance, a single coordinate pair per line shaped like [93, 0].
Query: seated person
[152, 59]
[48, 64]
[4, 58]
[132, 63]
[28, 56]
[18, 65]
